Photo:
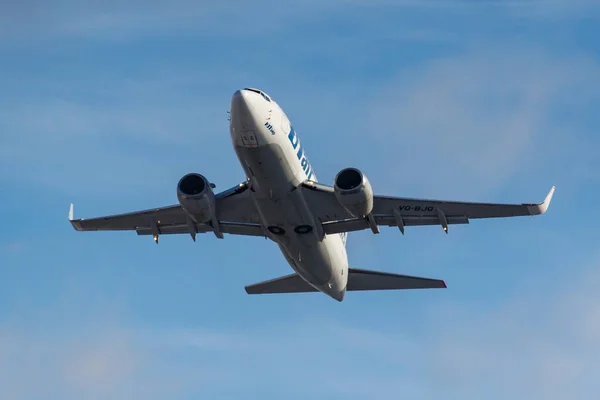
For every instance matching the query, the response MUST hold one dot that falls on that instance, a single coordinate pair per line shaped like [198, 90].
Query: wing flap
[358, 224]
[360, 279]
[231, 228]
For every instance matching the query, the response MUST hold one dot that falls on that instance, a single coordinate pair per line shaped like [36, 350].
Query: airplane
[282, 200]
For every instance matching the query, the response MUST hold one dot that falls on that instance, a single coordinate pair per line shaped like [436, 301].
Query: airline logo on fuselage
[270, 128]
[295, 141]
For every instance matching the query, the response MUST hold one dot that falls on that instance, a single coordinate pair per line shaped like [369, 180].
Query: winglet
[75, 223]
[536, 209]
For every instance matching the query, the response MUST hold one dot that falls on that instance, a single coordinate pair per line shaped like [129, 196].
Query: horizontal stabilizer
[286, 284]
[358, 279]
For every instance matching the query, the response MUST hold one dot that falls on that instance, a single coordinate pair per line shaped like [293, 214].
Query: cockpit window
[259, 92]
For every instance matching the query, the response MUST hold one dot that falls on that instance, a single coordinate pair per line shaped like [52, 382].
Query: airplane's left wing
[236, 215]
[401, 212]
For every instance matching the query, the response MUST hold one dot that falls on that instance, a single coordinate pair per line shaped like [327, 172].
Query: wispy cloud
[469, 123]
[526, 8]
[541, 343]
[13, 247]
[123, 21]
[107, 124]
[466, 112]
[114, 19]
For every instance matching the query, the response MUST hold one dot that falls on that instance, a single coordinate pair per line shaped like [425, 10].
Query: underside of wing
[401, 212]
[420, 207]
[162, 217]
[235, 214]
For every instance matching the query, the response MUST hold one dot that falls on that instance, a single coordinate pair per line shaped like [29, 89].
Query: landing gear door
[249, 138]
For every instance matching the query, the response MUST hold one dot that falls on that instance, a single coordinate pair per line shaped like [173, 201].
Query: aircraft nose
[240, 104]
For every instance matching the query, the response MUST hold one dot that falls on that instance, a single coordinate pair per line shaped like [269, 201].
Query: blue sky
[107, 106]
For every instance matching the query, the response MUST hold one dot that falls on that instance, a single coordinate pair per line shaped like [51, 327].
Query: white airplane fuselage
[275, 163]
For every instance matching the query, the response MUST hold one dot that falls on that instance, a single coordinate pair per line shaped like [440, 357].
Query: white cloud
[556, 9]
[543, 342]
[531, 9]
[541, 345]
[13, 247]
[98, 365]
[469, 123]
[115, 19]
[115, 124]
[40, 364]
[118, 20]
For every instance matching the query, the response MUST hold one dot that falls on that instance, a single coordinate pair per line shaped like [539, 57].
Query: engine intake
[354, 192]
[196, 196]
[349, 179]
[192, 184]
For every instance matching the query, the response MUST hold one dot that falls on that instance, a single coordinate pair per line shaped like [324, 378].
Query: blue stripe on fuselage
[304, 163]
[306, 167]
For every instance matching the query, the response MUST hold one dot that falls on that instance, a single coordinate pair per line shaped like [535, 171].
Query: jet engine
[353, 191]
[196, 196]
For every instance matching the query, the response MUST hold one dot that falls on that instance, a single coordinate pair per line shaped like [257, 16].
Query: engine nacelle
[196, 197]
[353, 191]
